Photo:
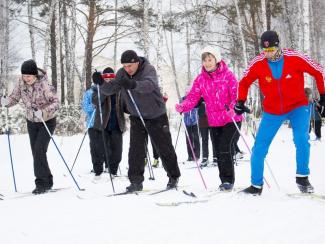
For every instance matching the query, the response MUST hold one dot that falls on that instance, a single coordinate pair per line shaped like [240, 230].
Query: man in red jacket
[280, 73]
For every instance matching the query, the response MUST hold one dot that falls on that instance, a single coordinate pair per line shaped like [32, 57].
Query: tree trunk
[54, 77]
[72, 49]
[264, 18]
[48, 34]
[68, 60]
[89, 43]
[159, 43]
[188, 48]
[171, 55]
[115, 34]
[145, 27]
[288, 21]
[62, 73]
[241, 33]
[31, 28]
[4, 46]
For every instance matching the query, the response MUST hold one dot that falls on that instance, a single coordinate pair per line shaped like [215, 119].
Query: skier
[138, 80]
[114, 126]
[217, 85]
[41, 104]
[280, 73]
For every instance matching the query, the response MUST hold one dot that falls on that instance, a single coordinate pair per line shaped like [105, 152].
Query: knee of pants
[301, 140]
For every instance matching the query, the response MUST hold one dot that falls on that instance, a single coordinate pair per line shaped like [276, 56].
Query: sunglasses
[270, 49]
[108, 76]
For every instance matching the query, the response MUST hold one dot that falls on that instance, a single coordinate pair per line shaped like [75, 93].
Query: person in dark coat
[138, 82]
[113, 124]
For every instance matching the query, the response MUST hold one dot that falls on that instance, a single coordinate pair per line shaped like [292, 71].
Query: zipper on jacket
[280, 95]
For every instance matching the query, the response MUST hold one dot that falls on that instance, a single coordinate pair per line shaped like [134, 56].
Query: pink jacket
[219, 91]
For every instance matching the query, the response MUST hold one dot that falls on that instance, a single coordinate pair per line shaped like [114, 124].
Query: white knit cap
[215, 51]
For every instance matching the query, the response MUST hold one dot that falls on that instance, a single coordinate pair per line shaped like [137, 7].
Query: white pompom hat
[215, 51]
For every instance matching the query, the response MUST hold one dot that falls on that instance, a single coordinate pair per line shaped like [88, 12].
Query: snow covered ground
[62, 217]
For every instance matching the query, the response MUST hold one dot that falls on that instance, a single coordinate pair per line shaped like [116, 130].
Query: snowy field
[63, 218]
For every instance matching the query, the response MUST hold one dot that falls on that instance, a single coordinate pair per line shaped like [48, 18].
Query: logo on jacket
[268, 79]
[288, 76]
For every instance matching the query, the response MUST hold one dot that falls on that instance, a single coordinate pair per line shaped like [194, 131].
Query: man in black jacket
[138, 80]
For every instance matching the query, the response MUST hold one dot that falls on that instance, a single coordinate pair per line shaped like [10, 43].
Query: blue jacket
[190, 118]
[314, 112]
[88, 107]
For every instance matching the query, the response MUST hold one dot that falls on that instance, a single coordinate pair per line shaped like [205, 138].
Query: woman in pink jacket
[217, 85]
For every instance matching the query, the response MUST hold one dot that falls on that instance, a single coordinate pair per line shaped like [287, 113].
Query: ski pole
[66, 165]
[151, 177]
[10, 153]
[179, 128]
[88, 126]
[103, 136]
[194, 156]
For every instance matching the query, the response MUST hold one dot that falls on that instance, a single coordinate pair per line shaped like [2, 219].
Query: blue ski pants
[270, 124]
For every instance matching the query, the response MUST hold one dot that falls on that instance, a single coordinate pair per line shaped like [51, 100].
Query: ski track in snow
[62, 217]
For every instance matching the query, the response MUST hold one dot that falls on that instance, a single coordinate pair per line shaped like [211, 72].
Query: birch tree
[240, 28]
[31, 28]
[159, 42]
[4, 45]
[145, 27]
[48, 34]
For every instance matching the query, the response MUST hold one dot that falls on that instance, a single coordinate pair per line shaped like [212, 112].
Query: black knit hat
[129, 56]
[108, 70]
[29, 67]
[270, 39]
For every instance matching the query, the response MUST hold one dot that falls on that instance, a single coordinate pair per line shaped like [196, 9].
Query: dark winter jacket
[146, 94]
[107, 111]
[203, 120]
[40, 96]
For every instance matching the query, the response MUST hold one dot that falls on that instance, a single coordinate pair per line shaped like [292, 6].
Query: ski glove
[127, 83]
[322, 100]
[97, 78]
[240, 108]
[179, 108]
[38, 114]
[4, 101]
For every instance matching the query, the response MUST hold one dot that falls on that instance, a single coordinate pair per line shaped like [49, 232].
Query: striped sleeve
[306, 64]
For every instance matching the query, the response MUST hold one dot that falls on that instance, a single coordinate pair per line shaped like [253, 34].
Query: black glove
[322, 100]
[127, 83]
[97, 78]
[240, 108]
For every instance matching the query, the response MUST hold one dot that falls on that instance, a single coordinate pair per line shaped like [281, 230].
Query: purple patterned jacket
[40, 95]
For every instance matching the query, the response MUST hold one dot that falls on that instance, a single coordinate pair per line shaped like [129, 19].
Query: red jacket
[287, 93]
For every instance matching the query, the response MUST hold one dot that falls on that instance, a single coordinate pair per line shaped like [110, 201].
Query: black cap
[129, 56]
[29, 67]
[270, 39]
[108, 70]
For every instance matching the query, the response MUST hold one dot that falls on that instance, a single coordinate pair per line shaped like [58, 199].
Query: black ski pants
[39, 143]
[205, 131]
[160, 136]
[114, 141]
[224, 137]
[193, 134]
